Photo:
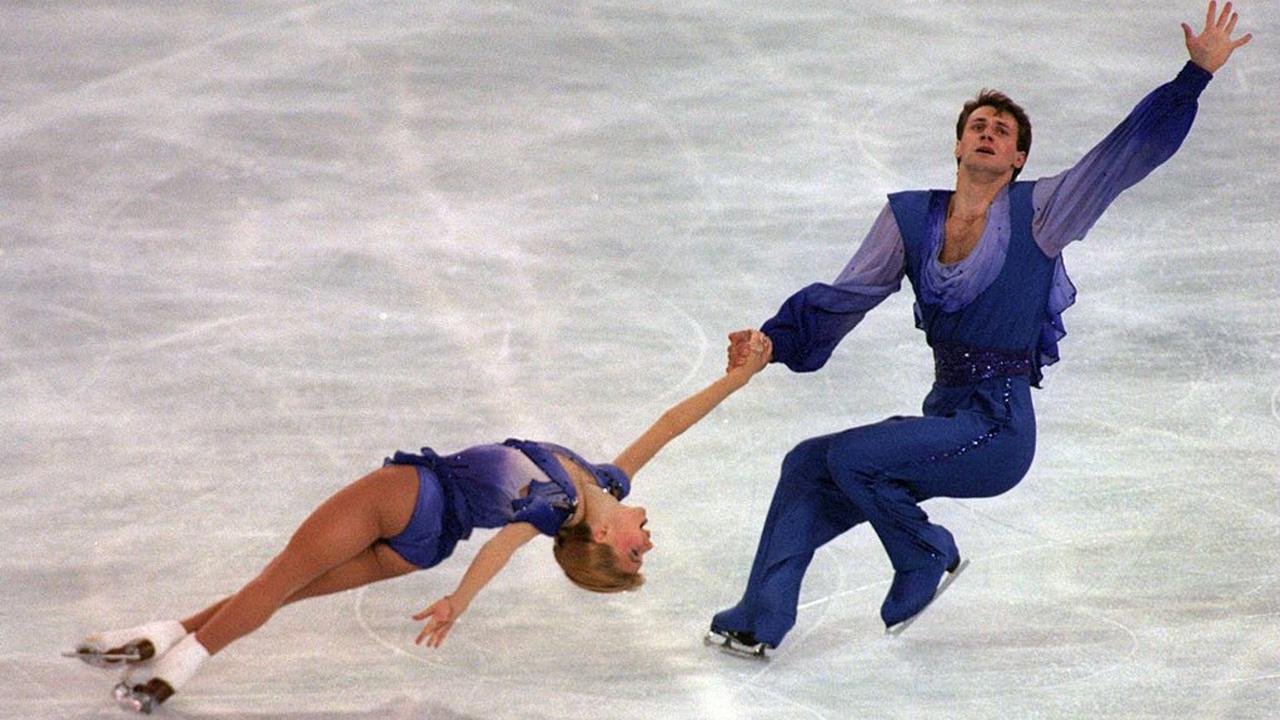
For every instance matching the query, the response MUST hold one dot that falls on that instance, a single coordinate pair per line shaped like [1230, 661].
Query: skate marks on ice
[985, 630]
[404, 708]
[358, 609]
[758, 136]
[103, 92]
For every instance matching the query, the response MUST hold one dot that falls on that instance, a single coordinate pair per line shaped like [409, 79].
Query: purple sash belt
[960, 365]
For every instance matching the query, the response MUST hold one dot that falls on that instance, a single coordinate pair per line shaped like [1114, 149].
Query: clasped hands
[751, 349]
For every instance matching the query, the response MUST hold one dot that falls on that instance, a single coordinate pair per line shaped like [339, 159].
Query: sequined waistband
[958, 365]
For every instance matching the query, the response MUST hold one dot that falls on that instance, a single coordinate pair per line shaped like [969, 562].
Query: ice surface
[247, 249]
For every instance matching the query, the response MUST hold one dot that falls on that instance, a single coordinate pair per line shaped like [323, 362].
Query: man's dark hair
[1001, 103]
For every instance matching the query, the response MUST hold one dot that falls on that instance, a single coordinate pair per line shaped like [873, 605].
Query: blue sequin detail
[983, 439]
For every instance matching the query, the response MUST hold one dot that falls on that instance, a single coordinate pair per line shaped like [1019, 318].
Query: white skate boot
[143, 688]
[116, 648]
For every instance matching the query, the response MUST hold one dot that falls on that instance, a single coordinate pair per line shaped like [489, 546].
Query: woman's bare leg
[197, 621]
[336, 548]
[378, 562]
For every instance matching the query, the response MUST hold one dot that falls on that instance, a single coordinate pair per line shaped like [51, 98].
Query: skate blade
[133, 701]
[897, 630]
[727, 645]
[98, 658]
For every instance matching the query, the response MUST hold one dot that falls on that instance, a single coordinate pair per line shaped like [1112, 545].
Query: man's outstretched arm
[1068, 204]
[814, 320]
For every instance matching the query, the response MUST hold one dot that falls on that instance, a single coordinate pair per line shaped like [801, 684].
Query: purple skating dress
[480, 487]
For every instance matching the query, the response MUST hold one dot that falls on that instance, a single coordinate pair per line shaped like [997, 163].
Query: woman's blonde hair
[591, 565]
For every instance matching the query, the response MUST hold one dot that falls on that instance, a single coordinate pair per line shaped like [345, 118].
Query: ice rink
[248, 249]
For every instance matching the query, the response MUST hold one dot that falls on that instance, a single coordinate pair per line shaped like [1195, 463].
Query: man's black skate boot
[737, 642]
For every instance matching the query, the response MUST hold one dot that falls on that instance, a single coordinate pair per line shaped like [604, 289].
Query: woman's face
[627, 535]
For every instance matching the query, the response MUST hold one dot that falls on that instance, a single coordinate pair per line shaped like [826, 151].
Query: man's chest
[959, 238]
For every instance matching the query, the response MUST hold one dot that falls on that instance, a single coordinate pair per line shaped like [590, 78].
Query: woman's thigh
[350, 522]
[378, 562]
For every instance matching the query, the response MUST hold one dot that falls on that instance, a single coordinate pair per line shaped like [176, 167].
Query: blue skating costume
[993, 321]
[480, 487]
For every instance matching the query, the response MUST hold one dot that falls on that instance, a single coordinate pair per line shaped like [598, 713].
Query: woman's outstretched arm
[493, 556]
[684, 414]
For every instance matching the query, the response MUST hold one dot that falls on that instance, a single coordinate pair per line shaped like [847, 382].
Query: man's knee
[807, 459]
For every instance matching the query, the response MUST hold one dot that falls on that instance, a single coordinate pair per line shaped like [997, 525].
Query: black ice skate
[131, 653]
[734, 642]
[142, 698]
[952, 573]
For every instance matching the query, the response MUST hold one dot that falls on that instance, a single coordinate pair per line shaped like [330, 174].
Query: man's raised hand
[1211, 48]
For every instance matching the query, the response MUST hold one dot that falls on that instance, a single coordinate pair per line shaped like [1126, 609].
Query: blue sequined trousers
[974, 440]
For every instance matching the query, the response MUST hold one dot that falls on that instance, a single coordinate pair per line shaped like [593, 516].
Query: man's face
[989, 143]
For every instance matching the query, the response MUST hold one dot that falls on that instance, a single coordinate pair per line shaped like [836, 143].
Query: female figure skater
[408, 516]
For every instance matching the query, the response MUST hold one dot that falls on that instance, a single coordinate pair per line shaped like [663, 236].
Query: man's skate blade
[897, 630]
[101, 659]
[727, 646]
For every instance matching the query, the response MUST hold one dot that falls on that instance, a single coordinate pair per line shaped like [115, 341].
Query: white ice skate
[142, 698]
[951, 576]
[737, 643]
[144, 687]
[118, 648]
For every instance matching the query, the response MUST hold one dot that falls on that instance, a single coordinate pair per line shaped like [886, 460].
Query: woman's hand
[752, 350]
[440, 618]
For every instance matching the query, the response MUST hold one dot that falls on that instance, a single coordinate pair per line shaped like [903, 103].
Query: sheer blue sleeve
[1068, 204]
[812, 322]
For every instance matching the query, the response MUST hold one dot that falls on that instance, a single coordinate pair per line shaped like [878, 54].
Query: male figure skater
[986, 267]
